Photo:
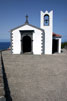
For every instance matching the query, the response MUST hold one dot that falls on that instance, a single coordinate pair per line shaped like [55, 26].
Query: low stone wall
[2, 92]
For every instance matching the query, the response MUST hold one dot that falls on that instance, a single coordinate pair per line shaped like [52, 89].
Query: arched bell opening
[46, 20]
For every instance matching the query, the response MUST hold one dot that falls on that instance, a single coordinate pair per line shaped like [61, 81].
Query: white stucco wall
[16, 45]
[36, 39]
[48, 31]
[59, 45]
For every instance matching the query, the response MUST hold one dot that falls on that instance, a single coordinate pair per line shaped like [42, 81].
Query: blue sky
[13, 12]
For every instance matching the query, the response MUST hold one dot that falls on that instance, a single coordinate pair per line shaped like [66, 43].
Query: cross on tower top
[26, 19]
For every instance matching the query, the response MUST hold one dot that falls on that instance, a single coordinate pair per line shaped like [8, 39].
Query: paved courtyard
[35, 77]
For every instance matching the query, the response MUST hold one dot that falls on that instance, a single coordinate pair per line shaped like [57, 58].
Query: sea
[4, 45]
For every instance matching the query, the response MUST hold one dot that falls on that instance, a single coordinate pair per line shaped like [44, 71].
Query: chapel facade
[31, 39]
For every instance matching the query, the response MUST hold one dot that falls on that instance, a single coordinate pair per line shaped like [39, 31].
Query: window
[46, 20]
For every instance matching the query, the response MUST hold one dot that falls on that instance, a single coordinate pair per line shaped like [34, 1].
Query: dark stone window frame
[27, 33]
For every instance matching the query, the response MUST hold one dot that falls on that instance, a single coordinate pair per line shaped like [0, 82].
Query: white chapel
[33, 40]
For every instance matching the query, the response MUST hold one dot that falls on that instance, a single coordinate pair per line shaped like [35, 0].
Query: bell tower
[46, 23]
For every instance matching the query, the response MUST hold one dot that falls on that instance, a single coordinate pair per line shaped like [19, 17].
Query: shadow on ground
[6, 86]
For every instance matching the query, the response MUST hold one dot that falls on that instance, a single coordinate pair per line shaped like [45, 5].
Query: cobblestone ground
[35, 77]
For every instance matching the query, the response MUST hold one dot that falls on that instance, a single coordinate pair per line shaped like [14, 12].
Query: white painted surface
[36, 39]
[59, 45]
[40, 43]
[16, 43]
[48, 31]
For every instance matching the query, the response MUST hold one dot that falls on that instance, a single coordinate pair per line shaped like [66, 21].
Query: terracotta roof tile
[56, 35]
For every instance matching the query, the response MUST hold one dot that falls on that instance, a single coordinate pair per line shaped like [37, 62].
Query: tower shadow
[6, 86]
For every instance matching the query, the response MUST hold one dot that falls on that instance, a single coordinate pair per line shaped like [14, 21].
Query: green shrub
[63, 45]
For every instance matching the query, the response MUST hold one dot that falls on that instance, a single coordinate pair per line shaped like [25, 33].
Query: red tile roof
[56, 35]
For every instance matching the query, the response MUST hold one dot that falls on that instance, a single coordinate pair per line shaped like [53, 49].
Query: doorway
[26, 44]
[55, 46]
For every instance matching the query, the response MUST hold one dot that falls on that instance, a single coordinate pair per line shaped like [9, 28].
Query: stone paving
[35, 77]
